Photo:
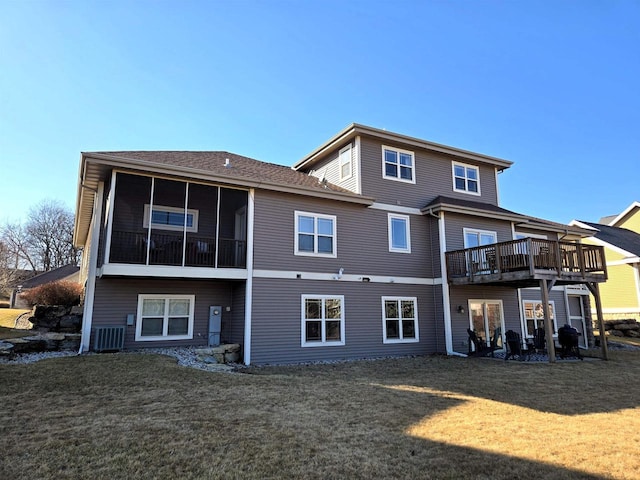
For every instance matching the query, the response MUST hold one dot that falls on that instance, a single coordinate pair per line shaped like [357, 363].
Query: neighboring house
[69, 273]
[374, 244]
[620, 237]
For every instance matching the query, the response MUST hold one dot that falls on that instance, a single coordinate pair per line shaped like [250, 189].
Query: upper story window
[398, 164]
[171, 218]
[477, 238]
[466, 178]
[345, 163]
[399, 233]
[315, 234]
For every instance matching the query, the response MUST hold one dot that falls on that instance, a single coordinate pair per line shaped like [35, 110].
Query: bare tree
[49, 229]
[17, 248]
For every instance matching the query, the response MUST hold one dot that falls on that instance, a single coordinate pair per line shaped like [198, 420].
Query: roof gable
[628, 213]
[356, 129]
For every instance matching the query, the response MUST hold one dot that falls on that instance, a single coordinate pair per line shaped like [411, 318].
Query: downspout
[248, 298]
[87, 314]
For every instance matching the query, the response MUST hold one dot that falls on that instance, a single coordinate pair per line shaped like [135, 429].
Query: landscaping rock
[6, 349]
[227, 353]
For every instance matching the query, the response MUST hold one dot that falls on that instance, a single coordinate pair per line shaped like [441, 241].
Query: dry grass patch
[143, 416]
[8, 316]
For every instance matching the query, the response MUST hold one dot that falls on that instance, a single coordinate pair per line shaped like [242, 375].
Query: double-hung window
[534, 316]
[165, 317]
[398, 165]
[399, 233]
[466, 178]
[345, 163]
[399, 320]
[322, 320]
[315, 234]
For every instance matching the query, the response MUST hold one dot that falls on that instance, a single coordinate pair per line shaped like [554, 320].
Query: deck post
[548, 327]
[595, 291]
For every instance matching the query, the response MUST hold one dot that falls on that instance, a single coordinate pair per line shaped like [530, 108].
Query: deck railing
[527, 254]
[169, 249]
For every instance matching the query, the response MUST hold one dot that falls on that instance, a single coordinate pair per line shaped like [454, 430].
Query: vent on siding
[108, 338]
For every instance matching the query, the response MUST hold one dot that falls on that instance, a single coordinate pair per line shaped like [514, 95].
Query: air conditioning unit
[108, 338]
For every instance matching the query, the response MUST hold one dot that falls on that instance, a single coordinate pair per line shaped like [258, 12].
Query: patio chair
[480, 347]
[539, 340]
[569, 342]
[514, 346]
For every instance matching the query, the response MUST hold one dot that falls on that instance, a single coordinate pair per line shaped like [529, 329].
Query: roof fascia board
[519, 220]
[184, 172]
[357, 129]
[627, 210]
[473, 211]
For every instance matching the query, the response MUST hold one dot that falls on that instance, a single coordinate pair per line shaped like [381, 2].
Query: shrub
[54, 293]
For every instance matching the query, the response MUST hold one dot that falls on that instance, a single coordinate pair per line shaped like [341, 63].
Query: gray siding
[461, 321]
[237, 317]
[433, 173]
[277, 324]
[117, 297]
[456, 223]
[362, 239]
[329, 168]
[527, 231]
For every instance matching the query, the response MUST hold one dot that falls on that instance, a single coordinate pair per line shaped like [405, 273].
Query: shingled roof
[222, 168]
[493, 211]
[226, 164]
[623, 238]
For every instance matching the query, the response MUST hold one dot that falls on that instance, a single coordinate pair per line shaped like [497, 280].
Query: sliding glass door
[487, 320]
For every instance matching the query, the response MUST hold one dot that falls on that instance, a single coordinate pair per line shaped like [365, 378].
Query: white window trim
[453, 177]
[345, 159]
[175, 228]
[554, 320]
[315, 253]
[406, 218]
[415, 321]
[465, 231]
[521, 235]
[323, 342]
[398, 178]
[166, 298]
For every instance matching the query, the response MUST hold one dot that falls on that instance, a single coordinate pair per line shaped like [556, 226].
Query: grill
[108, 338]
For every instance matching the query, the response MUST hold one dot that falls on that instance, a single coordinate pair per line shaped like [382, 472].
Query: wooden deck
[524, 262]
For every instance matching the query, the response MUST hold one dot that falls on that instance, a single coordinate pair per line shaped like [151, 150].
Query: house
[69, 273]
[374, 244]
[620, 237]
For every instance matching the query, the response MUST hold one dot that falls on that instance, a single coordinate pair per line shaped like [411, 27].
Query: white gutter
[248, 299]
[87, 314]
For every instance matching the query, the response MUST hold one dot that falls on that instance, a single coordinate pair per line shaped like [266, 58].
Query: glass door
[487, 321]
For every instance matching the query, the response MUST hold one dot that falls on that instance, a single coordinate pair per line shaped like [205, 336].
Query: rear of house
[343, 256]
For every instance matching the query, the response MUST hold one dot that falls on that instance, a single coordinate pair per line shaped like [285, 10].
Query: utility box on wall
[215, 325]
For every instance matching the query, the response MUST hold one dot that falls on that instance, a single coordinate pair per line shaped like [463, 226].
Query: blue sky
[553, 86]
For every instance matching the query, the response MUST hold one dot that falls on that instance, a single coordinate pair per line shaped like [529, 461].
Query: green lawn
[143, 416]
